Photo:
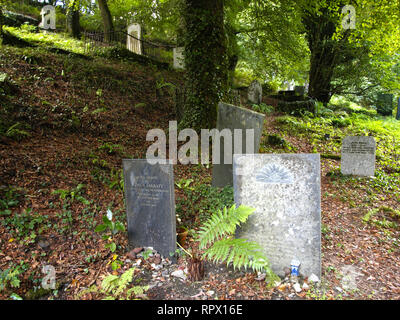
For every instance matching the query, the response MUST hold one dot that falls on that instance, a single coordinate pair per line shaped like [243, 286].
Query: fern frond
[238, 252]
[223, 223]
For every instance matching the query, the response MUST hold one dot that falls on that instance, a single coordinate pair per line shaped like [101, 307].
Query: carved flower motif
[274, 174]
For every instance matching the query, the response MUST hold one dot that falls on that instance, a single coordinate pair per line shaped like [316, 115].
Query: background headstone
[300, 90]
[285, 190]
[233, 117]
[150, 205]
[384, 104]
[358, 156]
[398, 110]
[179, 58]
[254, 93]
[48, 14]
[133, 39]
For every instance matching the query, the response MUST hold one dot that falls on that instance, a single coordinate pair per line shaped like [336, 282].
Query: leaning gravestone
[384, 105]
[150, 205]
[398, 110]
[254, 93]
[284, 190]
[358, 156]
[232, 117]
[48, 14]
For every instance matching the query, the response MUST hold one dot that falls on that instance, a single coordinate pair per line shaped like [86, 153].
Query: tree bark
[73, 26]
[205, 61]
[107, 19]
[324, 53]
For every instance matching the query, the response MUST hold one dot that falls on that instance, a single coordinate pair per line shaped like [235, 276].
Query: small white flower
[109, 214]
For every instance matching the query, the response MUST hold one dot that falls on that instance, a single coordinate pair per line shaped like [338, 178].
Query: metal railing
[157, 51]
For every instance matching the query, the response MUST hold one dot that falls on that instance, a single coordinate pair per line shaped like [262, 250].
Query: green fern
[217, 233]
[115, 287]
[223, 223]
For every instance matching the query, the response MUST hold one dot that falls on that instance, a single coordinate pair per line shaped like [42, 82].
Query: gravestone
[384, 105]
[232, 117]
[133, 42]
[48, 14]
[398, 110]
[300, 90]
[358, 156]
[150, 205]
[179, 58]
[284, 190]
[254, 93]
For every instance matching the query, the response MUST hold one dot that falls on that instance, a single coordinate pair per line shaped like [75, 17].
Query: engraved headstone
[254, 93]
[150, 205]
[358, 156]
[384, 105]
[284, 190]
[133, 39]
[179, 58]
[48, 14]
[232, 117]
[398, 110]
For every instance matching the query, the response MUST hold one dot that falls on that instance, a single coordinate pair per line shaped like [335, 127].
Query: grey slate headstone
[254, 93]
[233, 117]
[285, 190]
[150, 205]
[358, 156]
[398, 110]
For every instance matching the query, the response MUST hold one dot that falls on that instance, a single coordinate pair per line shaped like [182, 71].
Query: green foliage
[73, 194]
[201, 199]
[115, 287]
[25, 225]
[9, 277]
[263, 108]
[110, 229]
[223, 222]
[216, 236]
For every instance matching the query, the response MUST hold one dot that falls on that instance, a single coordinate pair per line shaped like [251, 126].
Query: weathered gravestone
[285, 191]
[133, 42]
[150, 205]
[300, 90]
[48, 14]
[358, 156]
[384, 105]
[179, 58]
[254, 93]
[248, 125]
[398, 110]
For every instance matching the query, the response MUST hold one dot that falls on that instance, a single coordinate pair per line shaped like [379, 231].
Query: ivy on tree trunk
[205, 62]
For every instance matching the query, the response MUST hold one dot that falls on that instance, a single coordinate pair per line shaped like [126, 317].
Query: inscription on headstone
[232, 117]
[358, 156]
[150, 205]
[254, 93]
[285, 191]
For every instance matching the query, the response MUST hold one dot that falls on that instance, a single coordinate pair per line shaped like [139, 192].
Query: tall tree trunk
[205, 62]
[73, 26]
[107, 19]
[324, 54]
[1, 21]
